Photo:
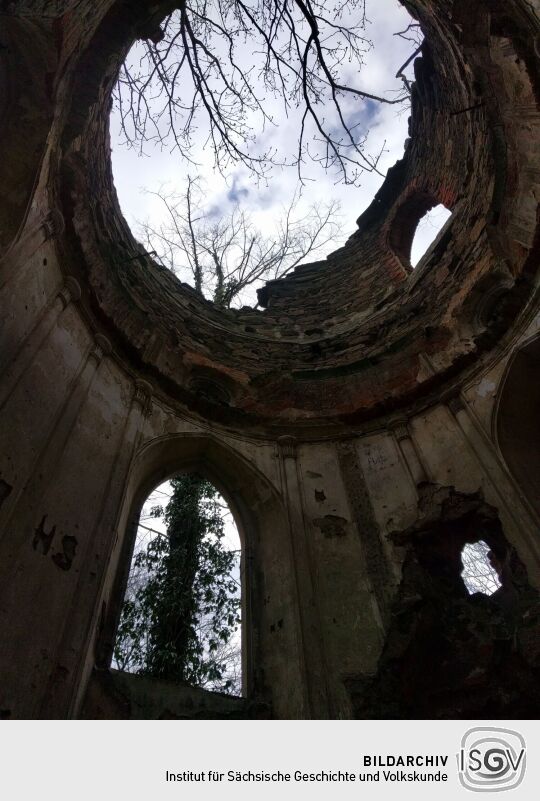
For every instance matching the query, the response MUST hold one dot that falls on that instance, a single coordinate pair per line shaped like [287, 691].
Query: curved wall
[350, 420]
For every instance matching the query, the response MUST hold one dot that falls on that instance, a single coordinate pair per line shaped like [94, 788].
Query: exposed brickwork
[343, 336]
[114, 376]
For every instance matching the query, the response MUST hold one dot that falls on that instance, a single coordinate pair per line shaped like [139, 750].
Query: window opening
[481, 568]
[427, 231]
[181, 613]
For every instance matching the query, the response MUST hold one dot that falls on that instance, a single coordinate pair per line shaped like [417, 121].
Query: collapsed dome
[360, 334]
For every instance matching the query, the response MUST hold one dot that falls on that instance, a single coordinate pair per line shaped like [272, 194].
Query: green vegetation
[182, 605]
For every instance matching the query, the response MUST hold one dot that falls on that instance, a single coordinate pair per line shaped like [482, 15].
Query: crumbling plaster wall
[323, 458]
[328, 571]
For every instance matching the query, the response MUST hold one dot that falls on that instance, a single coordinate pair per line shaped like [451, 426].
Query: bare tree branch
[215, 64]
[223, 256]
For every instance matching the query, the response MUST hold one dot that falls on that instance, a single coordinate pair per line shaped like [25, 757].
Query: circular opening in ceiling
[334, 325]
[258, 164]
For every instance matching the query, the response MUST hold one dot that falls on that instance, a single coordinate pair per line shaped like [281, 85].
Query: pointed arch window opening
[155, 588]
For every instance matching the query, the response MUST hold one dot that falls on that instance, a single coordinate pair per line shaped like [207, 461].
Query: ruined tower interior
[364, 426]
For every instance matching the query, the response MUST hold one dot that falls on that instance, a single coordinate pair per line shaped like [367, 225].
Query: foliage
[182, 605]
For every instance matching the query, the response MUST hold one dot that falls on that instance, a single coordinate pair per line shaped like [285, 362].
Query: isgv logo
[491, 759]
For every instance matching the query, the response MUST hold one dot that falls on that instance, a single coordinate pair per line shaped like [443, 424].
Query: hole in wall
[181, 612]
[518, 431]
[481, 568]
[427, 231]
[154, 162]
[416, 226]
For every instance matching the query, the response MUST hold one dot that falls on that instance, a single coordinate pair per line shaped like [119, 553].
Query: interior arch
[253, 503]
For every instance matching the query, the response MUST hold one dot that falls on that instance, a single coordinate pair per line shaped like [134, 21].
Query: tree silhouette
[224, 255]
[216, 64]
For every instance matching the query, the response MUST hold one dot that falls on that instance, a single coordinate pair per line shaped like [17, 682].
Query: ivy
[182, 611]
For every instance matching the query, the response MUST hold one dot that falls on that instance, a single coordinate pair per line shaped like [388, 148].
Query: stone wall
[362, 426]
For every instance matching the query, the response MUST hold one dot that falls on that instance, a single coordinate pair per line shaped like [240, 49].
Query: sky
[149, 527]
[386, 128]
[161, 495]
[386, 124]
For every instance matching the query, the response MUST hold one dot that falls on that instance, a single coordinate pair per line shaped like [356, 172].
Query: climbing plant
[181, 611]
